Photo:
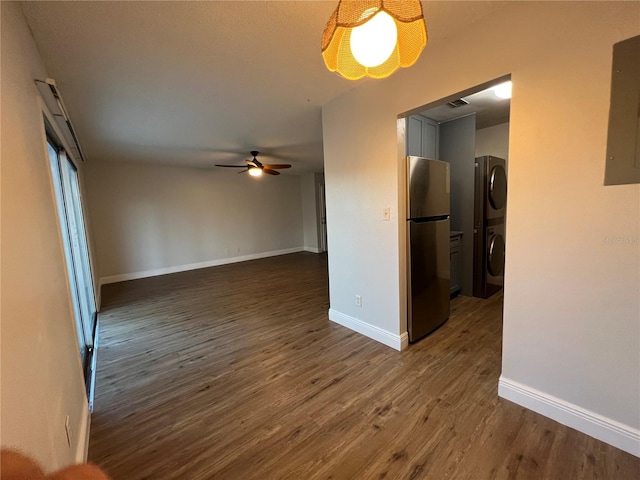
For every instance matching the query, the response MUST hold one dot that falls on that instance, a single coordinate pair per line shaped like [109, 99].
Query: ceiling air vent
[458, 103]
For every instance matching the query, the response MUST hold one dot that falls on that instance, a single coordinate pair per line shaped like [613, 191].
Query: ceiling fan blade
[277, 165]
[232, 166]
[242, 171]
[270, 172]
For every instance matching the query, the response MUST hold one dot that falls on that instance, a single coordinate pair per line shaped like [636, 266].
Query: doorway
[469, 131]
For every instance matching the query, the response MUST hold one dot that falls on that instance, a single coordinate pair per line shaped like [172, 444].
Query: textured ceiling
[198, 83]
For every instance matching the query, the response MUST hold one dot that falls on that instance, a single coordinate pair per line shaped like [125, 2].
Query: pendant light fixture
[366, 38]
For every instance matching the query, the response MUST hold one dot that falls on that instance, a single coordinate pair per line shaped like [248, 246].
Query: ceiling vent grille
[458, 103]
[53, 100]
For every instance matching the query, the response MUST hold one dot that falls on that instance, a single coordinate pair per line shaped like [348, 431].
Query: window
[74, 238]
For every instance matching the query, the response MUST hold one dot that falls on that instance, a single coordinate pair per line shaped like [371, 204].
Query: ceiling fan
[255, 167]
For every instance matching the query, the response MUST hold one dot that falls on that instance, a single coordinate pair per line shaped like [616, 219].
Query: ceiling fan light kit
[257, 168]
[373, 38]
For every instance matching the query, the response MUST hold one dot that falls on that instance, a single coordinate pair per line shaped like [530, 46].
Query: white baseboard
[194, 266]
[398, 342]
[605, 429]
[312, 249]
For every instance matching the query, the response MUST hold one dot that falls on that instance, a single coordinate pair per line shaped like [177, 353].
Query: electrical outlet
[358, 301]
[67, 428]
[386, 214]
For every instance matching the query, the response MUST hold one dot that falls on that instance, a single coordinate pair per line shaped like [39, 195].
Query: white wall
[309, 211]
[150, 219]
[571, 328]
[42, 379]
[363, 249]
[493, 141]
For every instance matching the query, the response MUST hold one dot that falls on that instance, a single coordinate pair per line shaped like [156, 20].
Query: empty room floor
[235, 372]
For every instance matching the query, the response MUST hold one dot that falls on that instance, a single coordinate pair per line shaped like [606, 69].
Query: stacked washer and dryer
[488, 228]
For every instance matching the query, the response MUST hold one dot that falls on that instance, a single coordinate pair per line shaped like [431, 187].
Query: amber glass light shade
[349, 14]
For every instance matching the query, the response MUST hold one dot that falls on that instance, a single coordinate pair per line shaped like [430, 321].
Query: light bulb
[503, 90]
[373, 42]
[255, 171]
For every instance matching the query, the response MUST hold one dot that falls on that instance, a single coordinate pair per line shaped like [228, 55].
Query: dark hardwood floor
[235, 372]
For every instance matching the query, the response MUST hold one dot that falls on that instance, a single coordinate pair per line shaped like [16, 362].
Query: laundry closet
[471, 134]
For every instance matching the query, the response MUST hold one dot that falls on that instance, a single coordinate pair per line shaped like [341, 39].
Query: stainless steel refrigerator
[428, 263]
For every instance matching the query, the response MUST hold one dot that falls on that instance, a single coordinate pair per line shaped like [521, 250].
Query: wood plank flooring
[235, 372]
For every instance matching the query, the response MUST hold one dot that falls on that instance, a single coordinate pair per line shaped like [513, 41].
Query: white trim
[94, 366]
[194, 266]
[605, 429]
[44, 108]
[312, 249]
[392, 340]
[404, 340]
[99, 296]
[82, 448]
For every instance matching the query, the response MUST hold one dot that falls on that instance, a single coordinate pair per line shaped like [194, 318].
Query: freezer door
[427, 188]
[428, 277]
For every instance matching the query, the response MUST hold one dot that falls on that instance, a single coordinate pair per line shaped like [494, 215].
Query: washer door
[495, 255]
[497, 187]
